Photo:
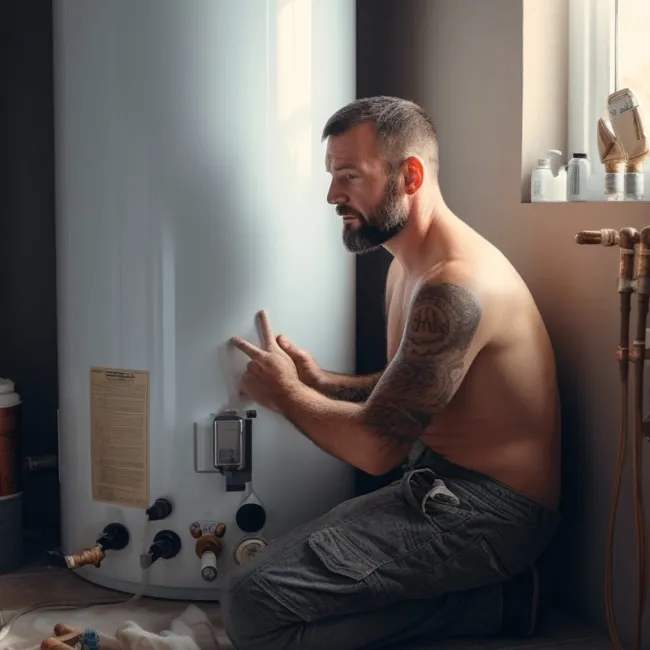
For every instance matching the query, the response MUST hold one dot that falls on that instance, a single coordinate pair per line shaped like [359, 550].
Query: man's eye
[351, 177]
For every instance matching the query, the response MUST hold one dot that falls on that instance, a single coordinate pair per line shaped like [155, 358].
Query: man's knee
[252, 618]
[238, 619]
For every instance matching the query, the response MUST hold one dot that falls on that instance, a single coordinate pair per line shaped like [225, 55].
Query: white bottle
[579, 176]
[542, 182]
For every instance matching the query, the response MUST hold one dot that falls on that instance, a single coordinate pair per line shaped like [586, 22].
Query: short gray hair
[403, 128]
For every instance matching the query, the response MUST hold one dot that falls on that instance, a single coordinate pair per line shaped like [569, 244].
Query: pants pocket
[306, 586]
[342, 556]
[431, 497]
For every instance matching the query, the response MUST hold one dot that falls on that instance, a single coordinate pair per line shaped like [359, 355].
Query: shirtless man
[468, 405]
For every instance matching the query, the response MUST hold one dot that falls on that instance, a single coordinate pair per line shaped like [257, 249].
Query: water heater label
[119, 425]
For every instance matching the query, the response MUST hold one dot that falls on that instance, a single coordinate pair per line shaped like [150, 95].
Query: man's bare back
[503, 420]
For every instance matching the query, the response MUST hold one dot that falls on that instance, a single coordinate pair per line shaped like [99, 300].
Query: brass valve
[208, 548]
[114, 537]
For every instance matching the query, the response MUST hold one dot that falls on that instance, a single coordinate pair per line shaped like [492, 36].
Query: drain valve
[208, 549]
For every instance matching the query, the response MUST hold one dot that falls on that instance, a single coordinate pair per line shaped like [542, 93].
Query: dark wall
[27, 242]
[381, 36]
[383, 45]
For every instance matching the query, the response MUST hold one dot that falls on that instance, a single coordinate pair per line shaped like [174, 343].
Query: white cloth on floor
[191, 630]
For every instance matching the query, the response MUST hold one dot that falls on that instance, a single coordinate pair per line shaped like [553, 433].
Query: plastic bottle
[548, 180]
[579, 173]
[542, 182]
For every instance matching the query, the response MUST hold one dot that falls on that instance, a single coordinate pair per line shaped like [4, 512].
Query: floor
[34, 584]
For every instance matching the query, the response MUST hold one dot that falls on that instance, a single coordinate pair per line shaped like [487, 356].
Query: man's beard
[382, 224]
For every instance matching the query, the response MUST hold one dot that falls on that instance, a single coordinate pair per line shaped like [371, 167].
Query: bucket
[11, 495]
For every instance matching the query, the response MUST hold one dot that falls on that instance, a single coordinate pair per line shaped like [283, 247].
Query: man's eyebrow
[345, 167]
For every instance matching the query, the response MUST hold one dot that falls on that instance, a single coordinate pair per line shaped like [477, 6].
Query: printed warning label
[119, 425]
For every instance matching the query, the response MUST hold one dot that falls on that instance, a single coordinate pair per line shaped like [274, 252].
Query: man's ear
[413, 174]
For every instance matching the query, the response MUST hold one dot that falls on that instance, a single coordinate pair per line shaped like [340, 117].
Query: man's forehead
[352, 148]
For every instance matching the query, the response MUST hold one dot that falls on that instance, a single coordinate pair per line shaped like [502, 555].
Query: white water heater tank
[191, 193]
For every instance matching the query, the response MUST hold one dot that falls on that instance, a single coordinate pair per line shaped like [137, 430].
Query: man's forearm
[348, 388]
[340, 429]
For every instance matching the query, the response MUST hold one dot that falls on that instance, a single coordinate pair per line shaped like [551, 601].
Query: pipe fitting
[208, 549]
[166, 545]
[160, 509]
[628, 239]
[604, 237]
[114, 537]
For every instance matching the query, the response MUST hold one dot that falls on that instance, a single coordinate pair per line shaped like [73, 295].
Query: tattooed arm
[349, 388]
[436, 351]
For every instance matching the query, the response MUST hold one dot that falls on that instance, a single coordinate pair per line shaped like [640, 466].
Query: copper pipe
[643, 292]
[64, 641]
[627, 240]
[631, 245]
[94, 555]
[604, 237]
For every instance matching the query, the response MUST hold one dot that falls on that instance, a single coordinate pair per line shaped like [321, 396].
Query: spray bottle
[548, 180]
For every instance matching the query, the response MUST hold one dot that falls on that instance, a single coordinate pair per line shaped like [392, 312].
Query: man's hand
[309, 372]
[271, 371]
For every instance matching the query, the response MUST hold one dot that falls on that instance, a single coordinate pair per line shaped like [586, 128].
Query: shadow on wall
[589, 378]
[379, 72]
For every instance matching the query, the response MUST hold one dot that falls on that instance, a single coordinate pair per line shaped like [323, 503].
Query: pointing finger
[247, 348]
[267, 332]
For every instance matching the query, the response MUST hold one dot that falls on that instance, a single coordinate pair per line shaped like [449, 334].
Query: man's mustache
[344, 210]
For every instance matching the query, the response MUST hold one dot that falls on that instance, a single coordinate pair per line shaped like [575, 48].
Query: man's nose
[335, 196]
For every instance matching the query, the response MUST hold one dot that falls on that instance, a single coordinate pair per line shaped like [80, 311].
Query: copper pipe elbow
[628, 237]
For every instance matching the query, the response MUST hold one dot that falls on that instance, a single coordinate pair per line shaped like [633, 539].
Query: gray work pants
[395, 565]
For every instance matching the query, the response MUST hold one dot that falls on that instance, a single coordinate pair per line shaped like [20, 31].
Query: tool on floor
[633, 246]
[111, 536]
[66, 637]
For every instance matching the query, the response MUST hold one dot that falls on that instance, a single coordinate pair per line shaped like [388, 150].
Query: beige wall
[463, 61]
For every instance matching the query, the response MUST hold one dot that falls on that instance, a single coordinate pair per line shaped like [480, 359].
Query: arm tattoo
[429, 365]
[358, 392]
[345, 394]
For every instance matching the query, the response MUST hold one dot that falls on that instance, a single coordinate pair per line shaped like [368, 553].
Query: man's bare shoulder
[470, 286]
